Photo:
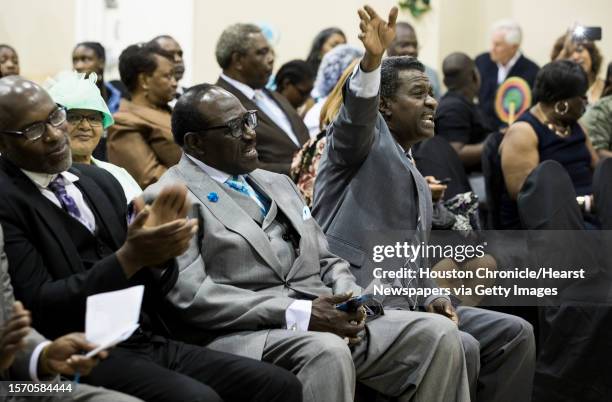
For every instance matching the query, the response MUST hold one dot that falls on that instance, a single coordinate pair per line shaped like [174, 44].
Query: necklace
[559, 131]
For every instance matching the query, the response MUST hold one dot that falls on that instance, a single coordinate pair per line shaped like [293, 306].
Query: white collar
[242, 87]
[510, 62]
[215, 174]
[42, 180]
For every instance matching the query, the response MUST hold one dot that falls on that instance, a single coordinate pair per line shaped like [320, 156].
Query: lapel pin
[213, 197]
[306, 213]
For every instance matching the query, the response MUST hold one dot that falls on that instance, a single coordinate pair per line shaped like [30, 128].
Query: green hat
[73, 91]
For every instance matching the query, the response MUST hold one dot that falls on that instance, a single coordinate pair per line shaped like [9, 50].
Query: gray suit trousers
[411, 356]
[499, 353]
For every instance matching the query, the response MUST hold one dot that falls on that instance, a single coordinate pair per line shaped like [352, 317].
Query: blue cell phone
[352, 304]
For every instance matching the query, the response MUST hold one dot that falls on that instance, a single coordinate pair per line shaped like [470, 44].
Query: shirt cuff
[34, 360]
[365, 85]
[297, 315]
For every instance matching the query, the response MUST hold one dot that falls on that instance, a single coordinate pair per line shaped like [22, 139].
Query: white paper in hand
[112, 317]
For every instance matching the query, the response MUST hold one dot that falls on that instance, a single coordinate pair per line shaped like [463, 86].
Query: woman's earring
[561, 111]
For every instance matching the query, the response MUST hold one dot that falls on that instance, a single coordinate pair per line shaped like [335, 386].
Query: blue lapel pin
[213, 197]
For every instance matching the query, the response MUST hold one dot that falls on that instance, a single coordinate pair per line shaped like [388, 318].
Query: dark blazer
[275, 149]
[46, 270]
[524, 68]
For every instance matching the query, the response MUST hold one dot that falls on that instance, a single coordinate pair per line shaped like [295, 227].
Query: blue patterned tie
[239, 184]
[67, 202]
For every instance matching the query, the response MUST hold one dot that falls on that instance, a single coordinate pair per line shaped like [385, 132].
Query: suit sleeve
[335, 272]
[20, 368]
[51, 299]
[351, 135]
[142, 150]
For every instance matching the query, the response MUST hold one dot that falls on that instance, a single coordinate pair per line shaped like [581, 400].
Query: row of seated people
[233, 259]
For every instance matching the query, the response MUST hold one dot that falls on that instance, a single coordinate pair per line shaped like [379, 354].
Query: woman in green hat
[87, 118]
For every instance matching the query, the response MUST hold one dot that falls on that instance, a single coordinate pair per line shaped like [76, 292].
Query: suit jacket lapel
[227, 211]
[301, 134]
[270, 191]
[48, 213]
[108, 217]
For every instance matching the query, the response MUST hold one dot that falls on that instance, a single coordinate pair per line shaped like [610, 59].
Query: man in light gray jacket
[260, 276]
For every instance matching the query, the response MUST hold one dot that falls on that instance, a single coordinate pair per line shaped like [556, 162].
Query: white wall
[44, 32]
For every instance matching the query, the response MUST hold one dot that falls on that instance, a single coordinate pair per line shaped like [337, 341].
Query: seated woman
[87, 117]
[141, 139]
[597, 121]
[585, 53]
[549, 131]
[9, 61]
[294, 80]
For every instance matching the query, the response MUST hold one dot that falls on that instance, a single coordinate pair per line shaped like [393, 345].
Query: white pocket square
[306, 213]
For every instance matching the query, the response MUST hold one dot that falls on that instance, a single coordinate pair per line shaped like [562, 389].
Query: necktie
[66, 201]
[239, 184]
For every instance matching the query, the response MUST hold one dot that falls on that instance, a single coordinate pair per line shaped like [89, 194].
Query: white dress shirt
[42, 181]
[129, 185]
[503, 70]
[365, 85]
[267, 105]
[33, 367]
[88, 220]
[297, 315]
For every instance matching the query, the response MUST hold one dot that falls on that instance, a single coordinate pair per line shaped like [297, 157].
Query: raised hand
[376, 35]
[63, 356]
[12, 338]
[159, 232]
[171, 204]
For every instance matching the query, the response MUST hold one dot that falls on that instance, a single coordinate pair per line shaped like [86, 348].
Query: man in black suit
[247, 59]
[67, 238]
[503, 61]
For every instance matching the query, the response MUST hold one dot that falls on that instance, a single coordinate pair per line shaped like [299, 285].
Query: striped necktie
[239, 184]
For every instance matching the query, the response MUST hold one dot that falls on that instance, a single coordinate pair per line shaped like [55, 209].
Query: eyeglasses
[37, 130]
[75, 119]
[236, 127]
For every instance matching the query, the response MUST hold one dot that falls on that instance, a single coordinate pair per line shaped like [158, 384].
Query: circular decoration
[512, 99]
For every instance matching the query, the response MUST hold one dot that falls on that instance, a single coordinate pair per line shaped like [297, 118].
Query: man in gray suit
[260, 275]
[25, 355]
[369, 194]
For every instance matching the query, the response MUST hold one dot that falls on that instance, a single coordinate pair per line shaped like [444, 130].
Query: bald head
[18, 96]
[23, 106]
[405, 42]
[458, 69]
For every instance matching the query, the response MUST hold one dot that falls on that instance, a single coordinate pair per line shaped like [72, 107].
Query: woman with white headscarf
[333, 64]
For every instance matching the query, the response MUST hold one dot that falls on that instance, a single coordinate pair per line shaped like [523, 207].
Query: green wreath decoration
[416, 7]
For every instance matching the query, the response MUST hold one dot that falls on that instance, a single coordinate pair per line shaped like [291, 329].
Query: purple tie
[66, 201]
